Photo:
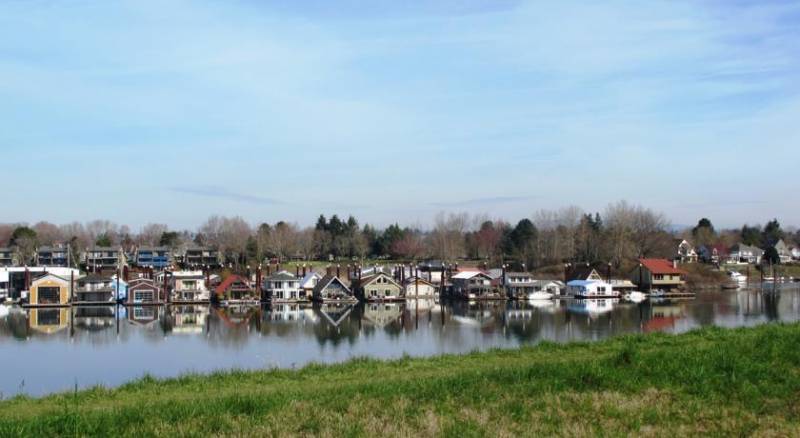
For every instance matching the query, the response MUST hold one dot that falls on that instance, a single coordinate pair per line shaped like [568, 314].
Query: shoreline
[732, 381]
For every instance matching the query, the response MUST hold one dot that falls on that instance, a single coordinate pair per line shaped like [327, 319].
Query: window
[49, 295]
[279, 294]
[387, 292]
[144, 296]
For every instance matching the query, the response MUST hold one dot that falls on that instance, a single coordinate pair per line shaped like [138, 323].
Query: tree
[750, 235]
[523, 241]
[103, 240]
[703, 233]
[447, 238]
[487, 240]
[170, 239]
[388, 238]
[48, 234]
[410, 246]
[772, 233]
[771, 256]
[24, 240]
[151, 234]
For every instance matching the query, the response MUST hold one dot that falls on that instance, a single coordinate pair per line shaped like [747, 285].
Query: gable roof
[47, 275]
[367, 280]
[225, 285]
[466, 275]
[582, 272]
[410, 281]
[327, 280]
[660, 266]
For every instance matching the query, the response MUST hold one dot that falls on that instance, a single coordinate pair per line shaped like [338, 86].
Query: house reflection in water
[663, 315]
[382, 314]
[48, 320]
[95, 318]
[189, 319]
[592, 307]
[145, 316]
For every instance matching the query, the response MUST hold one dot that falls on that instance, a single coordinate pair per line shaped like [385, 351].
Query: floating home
[590, 289]
[378, 287]
[283, 287]
[189, 287]
[236, 289]
[416, 287]
[49, 290]
[332, 289]
[95, 289]
[309, 282]
[658, 274]
[144, 291]
[474, 285]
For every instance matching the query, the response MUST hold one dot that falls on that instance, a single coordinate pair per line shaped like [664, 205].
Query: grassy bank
[718, 381]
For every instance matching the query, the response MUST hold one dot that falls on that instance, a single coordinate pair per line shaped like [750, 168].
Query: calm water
[48, 350]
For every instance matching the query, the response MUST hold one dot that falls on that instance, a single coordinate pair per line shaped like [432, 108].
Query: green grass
[712, 381]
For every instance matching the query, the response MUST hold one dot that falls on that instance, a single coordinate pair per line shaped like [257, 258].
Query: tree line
[621, 233]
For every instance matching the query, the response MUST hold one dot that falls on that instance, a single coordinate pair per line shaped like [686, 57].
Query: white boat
[635, 296]
[540, 295]
[736, 276]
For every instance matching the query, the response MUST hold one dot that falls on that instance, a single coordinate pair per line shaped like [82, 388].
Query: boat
[635, 296]
[540, 295]
[736, 276]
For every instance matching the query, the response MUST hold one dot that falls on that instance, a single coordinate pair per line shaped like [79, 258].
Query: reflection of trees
[771, 301]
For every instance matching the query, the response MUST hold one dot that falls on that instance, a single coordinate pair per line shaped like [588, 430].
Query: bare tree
[447, 239]
[150, 234]
[48, 234]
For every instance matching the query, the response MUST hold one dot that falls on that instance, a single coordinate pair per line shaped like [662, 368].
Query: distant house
[473, 285]
[378, 287]
[308, 282]
[189, 286]
[584, 272]
[52, 256]
[236, 288]
[741, 253]
[104, 258]
[517, 285]
[589, 289]
[332, 289]
[159, 257]
[685, 252]
[784, 253]
[144, 291]
[715, 254]
[49, 289]
[657, 274]
[416, 287]
[795, 253]
[95, 288]
[201, 256]
[8, 257]
[282, 286]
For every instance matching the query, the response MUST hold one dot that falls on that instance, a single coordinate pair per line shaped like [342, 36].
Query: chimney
[258, 278]
[304, 269]
[675, 263]
[269, 269]
[503, 268]
[125, 273]
[27, 279]
[338, 270]
[296, 270]
[328, 270]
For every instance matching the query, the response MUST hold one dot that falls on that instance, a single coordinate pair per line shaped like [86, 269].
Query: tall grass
[716, 381]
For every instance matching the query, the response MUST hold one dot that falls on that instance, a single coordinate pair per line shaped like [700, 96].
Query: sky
[171, 111]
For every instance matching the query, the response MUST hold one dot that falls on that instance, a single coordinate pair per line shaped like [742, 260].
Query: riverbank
[740, 381]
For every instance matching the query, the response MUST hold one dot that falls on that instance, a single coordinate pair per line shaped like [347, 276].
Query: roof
[741, 247]
[50, 249]
[466, 275]
[660, 266]
[584, 282]
[51, 275]
[282, 275]
[582, 272]
[103, 248]
[95, 278]
[367, 280]
[229, 282]
[414, 279]
[327, 280]
[153, 248]
[309, 276]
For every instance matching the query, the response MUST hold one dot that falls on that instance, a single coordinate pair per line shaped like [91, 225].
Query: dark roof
[582, 272]
[95, 278]
[327, 280]
[370, 278]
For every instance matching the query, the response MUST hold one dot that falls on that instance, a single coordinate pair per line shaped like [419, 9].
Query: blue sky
[170, 111]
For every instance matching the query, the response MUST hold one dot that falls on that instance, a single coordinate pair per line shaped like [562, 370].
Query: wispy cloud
[483, 201]
[223, 193]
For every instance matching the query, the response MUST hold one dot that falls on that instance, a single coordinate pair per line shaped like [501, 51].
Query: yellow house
[50, 290]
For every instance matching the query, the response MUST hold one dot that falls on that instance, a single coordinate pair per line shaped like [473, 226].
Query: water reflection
[113, 344]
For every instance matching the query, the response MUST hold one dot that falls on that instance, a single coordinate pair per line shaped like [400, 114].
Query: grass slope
[715, 381]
